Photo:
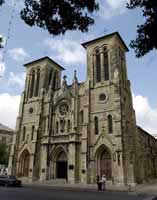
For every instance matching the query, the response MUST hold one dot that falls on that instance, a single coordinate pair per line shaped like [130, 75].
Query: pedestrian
[99, 183]
[97, 178]
[103, 180]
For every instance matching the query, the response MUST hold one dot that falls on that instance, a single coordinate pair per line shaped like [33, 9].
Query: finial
[65, 77]
[75, 77]
[64, 83]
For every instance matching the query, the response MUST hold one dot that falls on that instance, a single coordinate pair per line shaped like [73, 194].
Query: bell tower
[111, 111]
[106, 59]
[43, 77]
[43, 74]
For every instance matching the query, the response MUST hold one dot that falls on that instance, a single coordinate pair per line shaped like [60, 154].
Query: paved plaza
[58, 193]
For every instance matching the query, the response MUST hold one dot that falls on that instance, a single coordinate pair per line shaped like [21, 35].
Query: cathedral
[80, 131]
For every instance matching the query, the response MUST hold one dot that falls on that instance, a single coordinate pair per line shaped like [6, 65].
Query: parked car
[7, 180]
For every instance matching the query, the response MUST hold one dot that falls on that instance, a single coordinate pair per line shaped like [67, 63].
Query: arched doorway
[104, 163]
[61, 165]
[24, 164]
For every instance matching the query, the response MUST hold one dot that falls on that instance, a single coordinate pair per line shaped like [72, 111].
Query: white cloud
[17, 79]
[9, 107]
[146, 116]
[66, 50]
[18, 54]
[110, 8]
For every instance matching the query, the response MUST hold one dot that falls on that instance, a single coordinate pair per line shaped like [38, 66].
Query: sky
[28, 43]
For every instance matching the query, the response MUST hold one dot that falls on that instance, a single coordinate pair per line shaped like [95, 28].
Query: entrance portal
[61, 166]
[104, 162]
[24, 164]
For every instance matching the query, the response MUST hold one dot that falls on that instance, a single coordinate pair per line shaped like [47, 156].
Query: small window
[54, 80]
[106, 65]
[68, 126]
[37, 83]
[81, 117]
[96, 125]
[131, 157]
[98, 67]
[110, 126]
[32, 84]
[118, 158]
[32, 136]
[57, 127]
[24, 133]
[102, 97]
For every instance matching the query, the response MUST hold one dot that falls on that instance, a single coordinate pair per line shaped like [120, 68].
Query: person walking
[99, 183]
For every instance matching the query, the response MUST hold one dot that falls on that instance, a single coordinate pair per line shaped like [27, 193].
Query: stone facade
[83, 130]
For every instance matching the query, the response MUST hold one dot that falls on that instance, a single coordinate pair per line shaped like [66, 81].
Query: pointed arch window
[37, 83]
[55, 81]
[81, 117]
[50, 77]
[106, 65]
[68, 126]
[32, 84]
[32, 135]
[57, 127]
[110, 124]
[98, 66]
[96, 125]
[24, 133]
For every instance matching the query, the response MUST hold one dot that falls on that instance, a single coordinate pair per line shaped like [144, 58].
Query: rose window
[63, 109]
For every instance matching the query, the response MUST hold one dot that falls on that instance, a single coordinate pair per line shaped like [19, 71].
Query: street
[49, 193]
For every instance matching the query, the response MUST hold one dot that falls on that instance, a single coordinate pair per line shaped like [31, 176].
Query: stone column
[92, 171]
[72, 163]
[26, 86]
[118, 169]
[84, 155]
[43, 163]
[46, 126]
[90, 67]
[31, 165]
[131, 175]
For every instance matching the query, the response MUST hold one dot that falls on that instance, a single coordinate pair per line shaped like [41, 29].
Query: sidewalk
[149, 189]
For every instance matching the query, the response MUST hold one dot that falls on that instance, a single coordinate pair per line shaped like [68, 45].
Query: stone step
[55, 181]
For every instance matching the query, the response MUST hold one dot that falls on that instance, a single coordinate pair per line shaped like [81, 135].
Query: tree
[1, 40]
[59, 16]
[4, 154]
[146, 39]
[1, 2]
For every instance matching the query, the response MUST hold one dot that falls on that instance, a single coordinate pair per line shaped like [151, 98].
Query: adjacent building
[79, 131]
[6, 135]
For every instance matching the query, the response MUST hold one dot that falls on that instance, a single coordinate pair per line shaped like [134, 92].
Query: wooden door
[106, 164]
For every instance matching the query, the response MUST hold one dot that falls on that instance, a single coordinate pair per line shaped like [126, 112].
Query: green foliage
[146, 39]
[4, 154]
[58, 16]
